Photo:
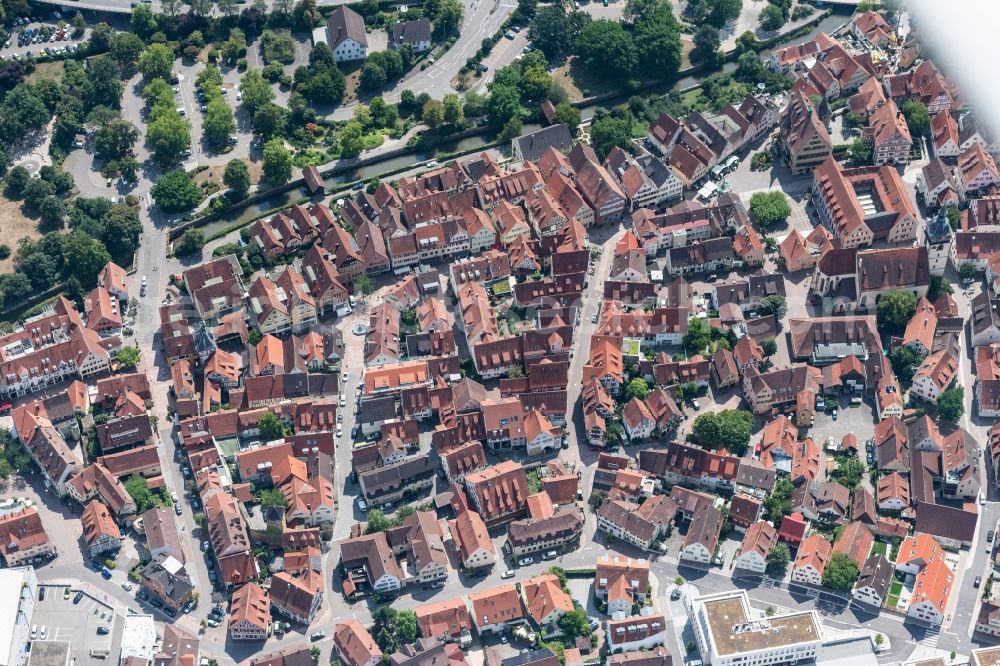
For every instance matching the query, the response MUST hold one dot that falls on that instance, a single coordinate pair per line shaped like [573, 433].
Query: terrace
[735, 632]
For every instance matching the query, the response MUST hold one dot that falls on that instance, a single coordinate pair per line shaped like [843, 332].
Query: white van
[181, 111]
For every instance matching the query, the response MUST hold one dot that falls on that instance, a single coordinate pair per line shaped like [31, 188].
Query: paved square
[77, 623]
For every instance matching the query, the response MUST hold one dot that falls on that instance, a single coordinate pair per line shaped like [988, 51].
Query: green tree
[372, 77]
[575, 623]
[771, 18]
[568, 115]
[271, 427]
[255, 91]
[778, 504]
[552, 31]
[269, 121]
[658, 43]
[432, 114]
[364, 284]
[609, 131]
[840, 572]
[729, 429]
[861, 151]
[951, 404]
[143, 21]
[126, 47]
[773, 305]
[607, 49]
[352, 140]
[190, 242]
[84, 256]
[918, 119]
[271, 497]
[706, 45]
[104, 84]
[698, 336]
[157, 61]
[218, 124]
[769, 208]
[967, 271]
[535, 82]
[277, 162]
[940, 286]
[954, 216]
[770, 347]
[237, 177]
[377, 522]
[894, 311]
[454, 112]
[905, 362]
[137, 488]
[849, 472]
[637, 388]
[17, 178]
[52, 211]
[129, 357]
[511, 129]
[122, 230]
[168, 134]
[504, 104]
[176, 192]
[777, 560]
[392, 628]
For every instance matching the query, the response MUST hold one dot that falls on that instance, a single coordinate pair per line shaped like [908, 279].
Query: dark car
[977, 582]
[103, 631]
[989, 536]
[78, 597]
[41, 594]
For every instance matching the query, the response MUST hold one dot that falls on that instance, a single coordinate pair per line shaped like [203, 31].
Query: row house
[888, 135]
[646, 181]
[598, 188]
[51, 348]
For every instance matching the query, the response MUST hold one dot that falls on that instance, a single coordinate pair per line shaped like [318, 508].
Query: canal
[249, 213]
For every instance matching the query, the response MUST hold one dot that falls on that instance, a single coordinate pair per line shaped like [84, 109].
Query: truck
[344, 310]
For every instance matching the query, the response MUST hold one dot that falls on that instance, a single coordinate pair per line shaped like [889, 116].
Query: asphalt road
[482, 18]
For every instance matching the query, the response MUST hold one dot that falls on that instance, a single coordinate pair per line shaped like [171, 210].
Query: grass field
[880, 548]
[47, 70]
[13, 227]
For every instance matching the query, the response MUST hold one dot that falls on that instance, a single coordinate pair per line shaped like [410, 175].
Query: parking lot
[38, 37]
[76, 624]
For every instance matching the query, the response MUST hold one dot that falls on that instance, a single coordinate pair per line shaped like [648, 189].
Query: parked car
[106, 573]
[41, 593]
[78, 597]
[525, 561]
[979, 581]
[127, 586]
[103, 631]
[318, 636]
[507, 574]
[362, 505]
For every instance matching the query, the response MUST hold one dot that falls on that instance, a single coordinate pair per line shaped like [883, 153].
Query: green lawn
[630, 347]
[880, 548]
[894, 590]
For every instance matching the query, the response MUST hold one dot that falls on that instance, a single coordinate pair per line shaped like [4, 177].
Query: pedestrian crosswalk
[930, 638]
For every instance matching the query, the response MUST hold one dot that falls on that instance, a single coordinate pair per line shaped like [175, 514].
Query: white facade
[807, 574]
[349, 50]
[926, 612]
[696, 552]
[751, 561]
[15, 614]
[867, 595]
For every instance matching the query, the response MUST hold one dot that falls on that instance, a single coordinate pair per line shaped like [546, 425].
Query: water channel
[249, 213]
